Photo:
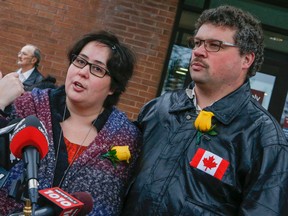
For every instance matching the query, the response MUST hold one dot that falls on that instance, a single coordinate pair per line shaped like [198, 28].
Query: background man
[28, 59]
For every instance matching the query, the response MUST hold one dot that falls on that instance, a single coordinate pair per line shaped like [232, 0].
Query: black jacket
[254, 180]
[34, 78]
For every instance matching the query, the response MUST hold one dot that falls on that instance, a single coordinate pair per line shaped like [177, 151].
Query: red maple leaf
[209, 162]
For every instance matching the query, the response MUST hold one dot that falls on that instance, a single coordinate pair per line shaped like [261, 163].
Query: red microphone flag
[67, 205]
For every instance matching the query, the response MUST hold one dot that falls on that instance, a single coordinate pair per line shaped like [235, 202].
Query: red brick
[144, 25]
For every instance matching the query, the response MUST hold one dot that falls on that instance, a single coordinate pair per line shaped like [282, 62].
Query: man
[28, 60]
[212, 149]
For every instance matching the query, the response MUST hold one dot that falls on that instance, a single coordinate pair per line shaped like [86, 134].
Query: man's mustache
[199, 61]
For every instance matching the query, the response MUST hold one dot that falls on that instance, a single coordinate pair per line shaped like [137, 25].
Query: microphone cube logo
[67, 204]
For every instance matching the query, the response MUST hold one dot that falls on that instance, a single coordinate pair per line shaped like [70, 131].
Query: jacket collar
[224, 109]
[34, 77]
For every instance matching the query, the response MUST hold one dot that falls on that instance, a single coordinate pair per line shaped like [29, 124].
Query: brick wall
[53, 25]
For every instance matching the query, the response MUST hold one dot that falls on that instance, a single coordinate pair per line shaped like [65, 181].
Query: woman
[83, 124]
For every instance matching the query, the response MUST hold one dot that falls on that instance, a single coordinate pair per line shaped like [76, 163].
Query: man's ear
[34, 60]
[248, 60]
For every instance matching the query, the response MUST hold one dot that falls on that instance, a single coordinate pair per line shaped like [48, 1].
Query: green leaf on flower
[198, 137]
[111, 155]
[212, 133]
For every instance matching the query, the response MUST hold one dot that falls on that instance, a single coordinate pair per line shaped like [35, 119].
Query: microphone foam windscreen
[29, 132]
[85, 198]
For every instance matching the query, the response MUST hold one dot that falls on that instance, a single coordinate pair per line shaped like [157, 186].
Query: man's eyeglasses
[25, 54]
[209, 45]
[95, 69]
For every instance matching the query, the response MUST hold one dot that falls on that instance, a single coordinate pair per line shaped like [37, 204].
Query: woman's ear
[111, 92]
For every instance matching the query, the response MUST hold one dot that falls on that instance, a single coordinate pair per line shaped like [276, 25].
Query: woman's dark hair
[120, 63]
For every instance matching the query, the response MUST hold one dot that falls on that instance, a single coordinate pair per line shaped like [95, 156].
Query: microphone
[62, 203]
[7, 160]
[58, 202]
[3, 122]
[87, 199]
[29, 142]
[3, 176]
[8, 128]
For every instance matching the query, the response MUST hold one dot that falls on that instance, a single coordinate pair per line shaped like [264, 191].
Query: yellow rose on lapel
[122, 153]
[117, 154]
[203, 124]
[203, 121]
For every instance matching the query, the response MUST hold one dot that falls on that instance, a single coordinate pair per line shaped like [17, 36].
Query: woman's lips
[78, 85]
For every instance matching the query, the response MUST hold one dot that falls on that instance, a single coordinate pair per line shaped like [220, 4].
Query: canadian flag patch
[209, 163]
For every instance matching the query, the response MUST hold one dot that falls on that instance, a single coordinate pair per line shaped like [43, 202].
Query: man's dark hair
[249, 35]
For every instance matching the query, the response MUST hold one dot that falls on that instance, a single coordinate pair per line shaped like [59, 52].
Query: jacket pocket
[195, 208]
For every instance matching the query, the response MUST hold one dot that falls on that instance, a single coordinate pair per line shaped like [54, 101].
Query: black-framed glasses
[95, 69]
[210, 45]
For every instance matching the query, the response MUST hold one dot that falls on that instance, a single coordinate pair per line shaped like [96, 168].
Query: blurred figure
[29, 58]
[47, 82]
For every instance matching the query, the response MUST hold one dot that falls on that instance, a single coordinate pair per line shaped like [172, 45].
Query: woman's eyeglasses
[95, 69]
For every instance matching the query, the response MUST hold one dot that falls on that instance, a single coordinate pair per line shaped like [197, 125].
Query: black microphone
[3, 176]
[3, 154]
[87, 199]
[3, 122]
[29, 142]
[6, 161]
[6, 126]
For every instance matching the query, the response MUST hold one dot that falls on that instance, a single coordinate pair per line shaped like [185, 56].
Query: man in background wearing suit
[28, 60]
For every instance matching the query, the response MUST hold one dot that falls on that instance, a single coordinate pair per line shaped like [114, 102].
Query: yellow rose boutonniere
[203, 124]
[117, 154]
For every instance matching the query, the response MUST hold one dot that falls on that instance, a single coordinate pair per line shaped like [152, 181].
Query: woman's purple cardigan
[89, 173]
